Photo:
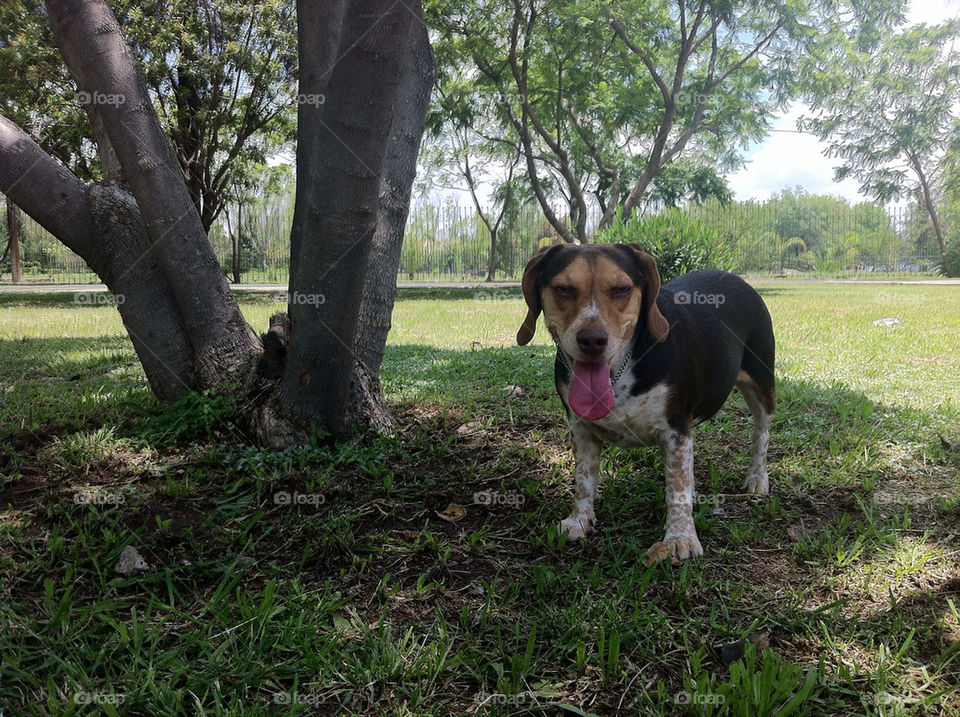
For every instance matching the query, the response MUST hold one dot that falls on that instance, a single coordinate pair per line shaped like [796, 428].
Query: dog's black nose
[592, 341]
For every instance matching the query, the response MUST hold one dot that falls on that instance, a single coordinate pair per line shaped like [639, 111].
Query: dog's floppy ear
[649, 281]
[531, 293]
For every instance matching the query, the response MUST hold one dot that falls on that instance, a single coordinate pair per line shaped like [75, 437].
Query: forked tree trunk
[149, 246]
[341, 154]
[222, 344]
[102, 224]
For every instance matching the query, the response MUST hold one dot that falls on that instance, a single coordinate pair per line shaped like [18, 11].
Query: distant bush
[27, 268]
[676, 242]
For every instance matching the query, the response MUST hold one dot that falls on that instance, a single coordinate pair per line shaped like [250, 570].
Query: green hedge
[676, 242]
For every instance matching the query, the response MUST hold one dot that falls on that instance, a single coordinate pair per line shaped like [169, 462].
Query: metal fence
[450, 243]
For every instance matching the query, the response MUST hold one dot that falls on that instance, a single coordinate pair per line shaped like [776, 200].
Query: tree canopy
[598, 97]
[221, 76]
[890, 114]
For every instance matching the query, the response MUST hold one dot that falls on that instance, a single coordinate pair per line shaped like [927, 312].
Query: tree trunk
[341, 153]
[149, 246]
[236, 240]
[13, 232]
[102, 224]
[223, 345]
[931, 207]
[109, 164]
[399, 170]
[492, 265]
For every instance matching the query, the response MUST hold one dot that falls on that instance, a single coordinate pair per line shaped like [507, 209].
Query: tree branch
[644, 57]
[44, 188]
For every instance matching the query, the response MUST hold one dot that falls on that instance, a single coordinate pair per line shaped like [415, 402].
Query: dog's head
[594, 298]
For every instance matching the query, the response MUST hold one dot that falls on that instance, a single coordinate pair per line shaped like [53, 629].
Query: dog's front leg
[586, 453]
[680, 535]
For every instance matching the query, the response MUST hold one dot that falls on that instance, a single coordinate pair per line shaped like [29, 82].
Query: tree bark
[224, 346]
[102, 224]
[396, 184]
[340, 157]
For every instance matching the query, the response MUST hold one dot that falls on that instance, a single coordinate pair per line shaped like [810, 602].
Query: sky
[786, 159]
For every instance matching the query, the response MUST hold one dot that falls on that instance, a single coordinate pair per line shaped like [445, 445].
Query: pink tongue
[591, 394]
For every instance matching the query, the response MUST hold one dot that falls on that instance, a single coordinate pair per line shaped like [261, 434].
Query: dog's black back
[719, 326]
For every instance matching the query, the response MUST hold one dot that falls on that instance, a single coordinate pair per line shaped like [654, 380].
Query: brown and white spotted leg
[680, 535]
[757, 479]
[586, 453]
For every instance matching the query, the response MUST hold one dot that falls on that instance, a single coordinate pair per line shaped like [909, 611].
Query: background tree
[465, 152]
[149, 244]
[248, 188]
[220, 73]
[688, 181]
[890, 113]
[600, 96]
[12, 245]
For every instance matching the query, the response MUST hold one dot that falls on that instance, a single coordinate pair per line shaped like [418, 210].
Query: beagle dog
[639, 364]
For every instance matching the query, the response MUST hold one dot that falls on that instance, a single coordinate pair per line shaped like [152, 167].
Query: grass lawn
[326, 580]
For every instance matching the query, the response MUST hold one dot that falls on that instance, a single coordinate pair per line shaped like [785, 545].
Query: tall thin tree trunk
[931, 207]
[109, 164]
[236, 239]
[13, 232]
[492, 264]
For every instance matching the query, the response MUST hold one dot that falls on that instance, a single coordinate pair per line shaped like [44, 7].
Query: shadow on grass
[520, 608]
[55, 386]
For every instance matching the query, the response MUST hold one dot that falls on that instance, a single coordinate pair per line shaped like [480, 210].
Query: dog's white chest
[639, 420]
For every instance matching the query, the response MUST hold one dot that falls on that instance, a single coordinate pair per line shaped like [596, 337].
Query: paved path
[766, 280]
[281, 288]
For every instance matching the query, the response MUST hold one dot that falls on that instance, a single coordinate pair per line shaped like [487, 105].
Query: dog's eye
[621, 292]
[565, 292]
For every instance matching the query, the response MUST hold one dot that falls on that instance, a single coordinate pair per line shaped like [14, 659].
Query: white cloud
[787, 159]
[932, 12]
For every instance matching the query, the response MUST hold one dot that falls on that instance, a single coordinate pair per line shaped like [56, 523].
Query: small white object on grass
[889, 321]
[130, 562]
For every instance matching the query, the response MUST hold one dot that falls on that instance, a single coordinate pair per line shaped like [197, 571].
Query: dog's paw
[678, 547]
[576, 526]
[757, 483]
